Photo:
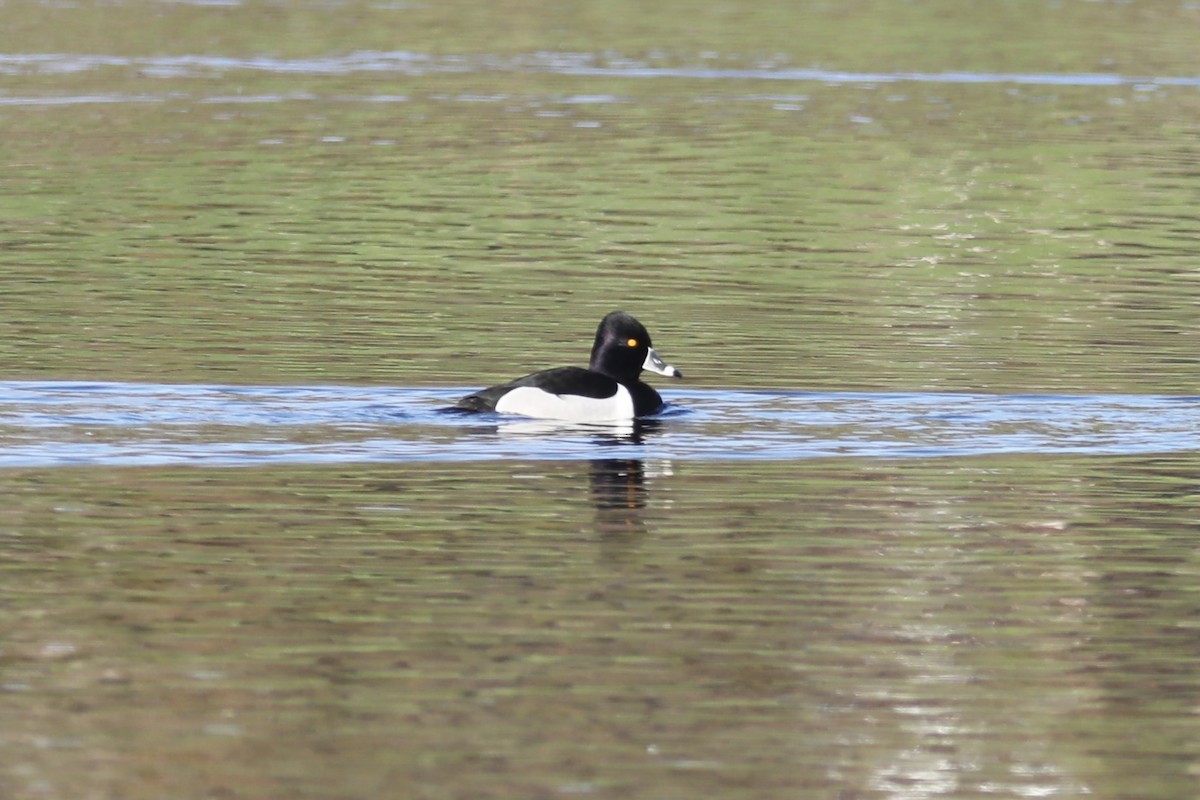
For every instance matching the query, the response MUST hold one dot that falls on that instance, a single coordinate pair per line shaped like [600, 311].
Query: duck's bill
[656, 364]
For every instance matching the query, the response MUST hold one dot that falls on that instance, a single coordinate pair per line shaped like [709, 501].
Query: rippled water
[570, 64]
[59, 424]
[920, 524]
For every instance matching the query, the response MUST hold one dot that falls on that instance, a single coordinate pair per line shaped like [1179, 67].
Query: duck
[609, 390]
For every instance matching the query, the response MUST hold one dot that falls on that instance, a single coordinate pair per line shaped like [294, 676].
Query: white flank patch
[529, 401]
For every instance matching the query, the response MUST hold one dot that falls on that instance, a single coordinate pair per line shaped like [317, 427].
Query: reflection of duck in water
[619, 493]
[613, 433]
[617, 484]
[609, 389]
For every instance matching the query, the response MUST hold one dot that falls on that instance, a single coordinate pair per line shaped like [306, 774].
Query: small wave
[579, 64]
[47, 424]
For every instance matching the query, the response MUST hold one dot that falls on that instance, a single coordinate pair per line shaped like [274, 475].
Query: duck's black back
[561, 380]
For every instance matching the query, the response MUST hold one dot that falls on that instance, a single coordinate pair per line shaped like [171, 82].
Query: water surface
[920, 524]
[994, 625]
[60, 424]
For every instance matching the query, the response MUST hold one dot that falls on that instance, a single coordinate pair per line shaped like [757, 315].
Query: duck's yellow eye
[632, 343]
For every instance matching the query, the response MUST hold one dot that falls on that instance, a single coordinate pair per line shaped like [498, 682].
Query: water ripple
[59, 424]
[579, 64]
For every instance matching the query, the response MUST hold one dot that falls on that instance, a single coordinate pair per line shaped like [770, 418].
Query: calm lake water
[920, 523]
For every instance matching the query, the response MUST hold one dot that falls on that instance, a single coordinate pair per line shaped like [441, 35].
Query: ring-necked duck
[609, 389]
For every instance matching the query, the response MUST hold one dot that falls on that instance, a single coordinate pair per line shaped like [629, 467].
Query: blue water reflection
[559, 63]
[55, 423]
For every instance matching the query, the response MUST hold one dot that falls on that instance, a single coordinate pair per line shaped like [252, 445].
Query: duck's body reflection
[619, 431]
[618, 485]
[620, 492]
